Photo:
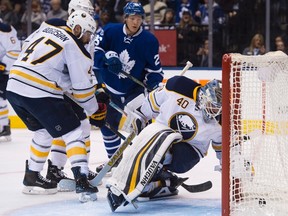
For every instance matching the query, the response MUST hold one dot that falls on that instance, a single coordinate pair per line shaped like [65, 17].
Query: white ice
[14, 203]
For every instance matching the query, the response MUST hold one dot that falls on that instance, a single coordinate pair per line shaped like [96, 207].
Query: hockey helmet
[133, 8]
[84, 5]
[210, 99]
[83, 19]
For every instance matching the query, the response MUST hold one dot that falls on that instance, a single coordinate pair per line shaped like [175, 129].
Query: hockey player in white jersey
[37, 82]
[10, 48]
[58, 150]
[186, 122]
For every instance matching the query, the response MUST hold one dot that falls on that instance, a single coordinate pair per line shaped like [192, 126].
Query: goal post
[255, 134]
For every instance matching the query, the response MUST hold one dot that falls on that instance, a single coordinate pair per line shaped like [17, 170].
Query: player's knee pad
[140, 160]
[184, 158]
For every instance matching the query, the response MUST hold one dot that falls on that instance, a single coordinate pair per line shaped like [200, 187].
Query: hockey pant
[140, 160]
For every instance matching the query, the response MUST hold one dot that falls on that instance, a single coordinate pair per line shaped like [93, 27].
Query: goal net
[255, 134]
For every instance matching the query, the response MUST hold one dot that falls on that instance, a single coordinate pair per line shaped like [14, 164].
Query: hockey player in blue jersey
[125, 47]
[186, 123]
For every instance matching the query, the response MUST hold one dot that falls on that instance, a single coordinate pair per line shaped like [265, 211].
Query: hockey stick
[117, 108]
[115, 131]
[115, 157]
[135, 80]
[188, 65]
[197, 188]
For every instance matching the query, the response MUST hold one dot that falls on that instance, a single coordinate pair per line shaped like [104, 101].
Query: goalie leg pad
[140, 161]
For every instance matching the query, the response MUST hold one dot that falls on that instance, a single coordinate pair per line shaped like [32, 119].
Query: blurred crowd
[236, 23]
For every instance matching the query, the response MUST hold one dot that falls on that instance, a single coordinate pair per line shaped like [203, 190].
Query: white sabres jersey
[174, 106]
[10, 46]
[52, 62]
[60, 23]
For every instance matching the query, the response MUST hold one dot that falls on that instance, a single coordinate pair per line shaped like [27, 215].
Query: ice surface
[14, 203]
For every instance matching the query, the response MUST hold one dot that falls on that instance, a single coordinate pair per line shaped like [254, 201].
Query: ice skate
[57, 175]
[5, 134]
[83, 187]
[165, 186]
[92, 175]
[100, 167]
[35, 183]
[115, 198]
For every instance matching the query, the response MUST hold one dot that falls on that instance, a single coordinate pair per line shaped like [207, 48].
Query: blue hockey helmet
[133, 8]
[210, 99]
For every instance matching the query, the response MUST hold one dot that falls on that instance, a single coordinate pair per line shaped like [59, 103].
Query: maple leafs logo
[127, 64]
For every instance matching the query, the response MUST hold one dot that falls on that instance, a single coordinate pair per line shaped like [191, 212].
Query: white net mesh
[259, 134]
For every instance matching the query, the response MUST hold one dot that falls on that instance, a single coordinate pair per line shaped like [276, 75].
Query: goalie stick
[115, 157]
[187, 66]
[197, 188]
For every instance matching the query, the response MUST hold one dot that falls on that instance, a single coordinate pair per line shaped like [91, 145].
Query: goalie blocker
[135, 171]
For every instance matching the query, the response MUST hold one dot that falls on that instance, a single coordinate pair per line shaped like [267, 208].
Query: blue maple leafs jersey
[138, 54]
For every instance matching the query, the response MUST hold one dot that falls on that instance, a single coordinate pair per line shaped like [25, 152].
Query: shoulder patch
[183, 85]
[5, 27]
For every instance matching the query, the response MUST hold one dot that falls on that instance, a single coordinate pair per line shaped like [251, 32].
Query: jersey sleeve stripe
[153, 103]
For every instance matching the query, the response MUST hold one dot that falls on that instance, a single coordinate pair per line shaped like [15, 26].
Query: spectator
[159, 10]
[108, 6]
[105, 17]
[201, 15]
[202, 54]
[56, 11]
[256, 46]
[7, 14]
[185, 5]
[186, 38]
[280, 46]
[45, 5]
[37, 16]
[168, 21]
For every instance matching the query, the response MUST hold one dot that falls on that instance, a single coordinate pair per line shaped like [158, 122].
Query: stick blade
[198, 188]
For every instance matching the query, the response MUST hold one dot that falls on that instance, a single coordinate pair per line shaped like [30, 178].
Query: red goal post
[255, 134]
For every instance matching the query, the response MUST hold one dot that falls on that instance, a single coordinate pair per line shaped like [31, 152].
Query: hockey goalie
[187, 119]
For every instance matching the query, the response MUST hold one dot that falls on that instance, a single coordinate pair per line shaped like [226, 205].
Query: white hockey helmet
[85, 5]
[210, 99]
[84, 20]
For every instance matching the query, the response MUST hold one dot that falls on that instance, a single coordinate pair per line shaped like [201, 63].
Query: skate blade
[5, 139]
[162, 195]
[66, 185]
[86, 197]
[33, 190]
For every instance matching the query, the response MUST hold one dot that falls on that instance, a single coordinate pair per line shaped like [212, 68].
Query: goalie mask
[210, 100]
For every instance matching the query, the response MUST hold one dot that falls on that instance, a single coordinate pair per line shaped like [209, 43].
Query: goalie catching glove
[98, 118]
[113, 62]
[135, 119]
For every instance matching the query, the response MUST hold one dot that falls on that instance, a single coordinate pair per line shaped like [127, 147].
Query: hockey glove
[101, 95]
[134, 121]
[98, 118]
[113, 62]
[2, 67]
